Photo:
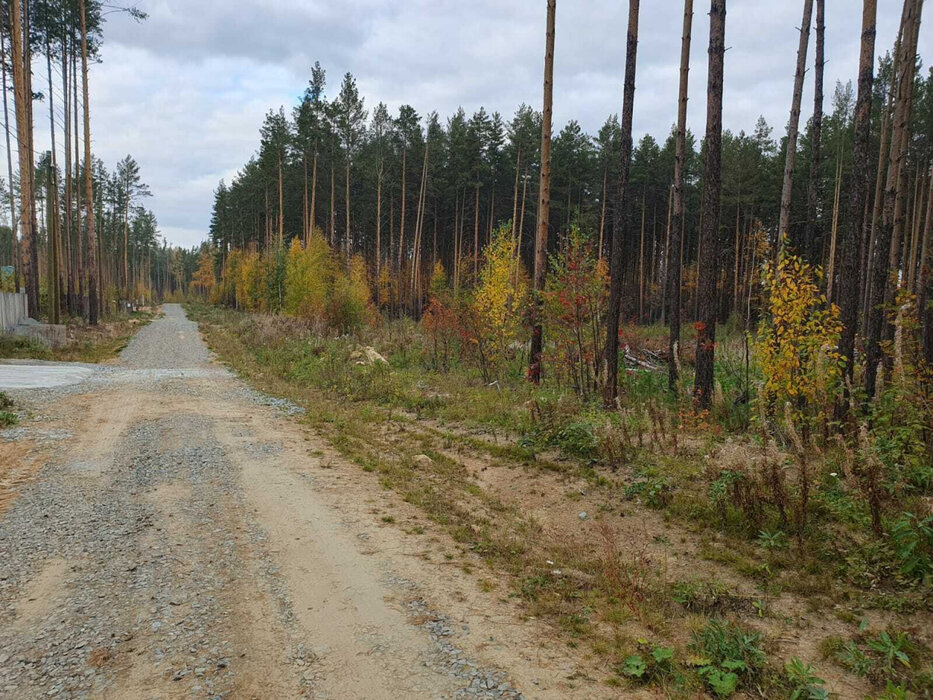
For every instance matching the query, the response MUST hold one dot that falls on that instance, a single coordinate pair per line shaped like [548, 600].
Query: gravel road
[168, 532]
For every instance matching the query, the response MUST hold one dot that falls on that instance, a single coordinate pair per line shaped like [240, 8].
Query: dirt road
[165, 531]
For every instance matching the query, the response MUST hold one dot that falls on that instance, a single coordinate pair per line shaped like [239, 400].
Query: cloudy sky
[185, 91]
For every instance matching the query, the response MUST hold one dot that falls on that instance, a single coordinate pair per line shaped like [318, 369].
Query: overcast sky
[185, 91]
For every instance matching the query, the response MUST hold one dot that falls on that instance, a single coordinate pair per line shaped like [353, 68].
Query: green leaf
[722, 683]
[662, 654]
[634, 666]
[734, 665]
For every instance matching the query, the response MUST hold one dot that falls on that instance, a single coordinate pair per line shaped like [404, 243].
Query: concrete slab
[41, 376]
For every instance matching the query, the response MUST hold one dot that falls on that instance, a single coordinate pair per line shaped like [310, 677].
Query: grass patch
[88, 344]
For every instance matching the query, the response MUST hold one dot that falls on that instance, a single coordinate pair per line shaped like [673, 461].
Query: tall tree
[93, 299]
[276, 138]
[381, 126]
[544, 199]
[22, 100]
[351, 124]
[17, 263]
[812, 229]
[673, 264]
[856, 221]
[131, 188]
[880, 254]
[793, 125]
[617, 259]
[708, 270]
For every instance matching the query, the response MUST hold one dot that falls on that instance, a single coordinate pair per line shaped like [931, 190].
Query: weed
[912, 538]
[652, 663]
[727, 655]
[773, 540]
[805, 684]
[8, 418]
[892, 650]
[655, 491]
[702, 596]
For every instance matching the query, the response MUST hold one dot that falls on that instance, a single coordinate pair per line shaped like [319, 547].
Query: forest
[670, 396]
[408, 200]
[734, 329]
[79, 238]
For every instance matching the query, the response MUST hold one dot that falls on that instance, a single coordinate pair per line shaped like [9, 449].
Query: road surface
[165, 531]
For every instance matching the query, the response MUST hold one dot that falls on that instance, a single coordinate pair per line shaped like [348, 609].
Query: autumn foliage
[797, 345]
[309, 282]
[575, 299]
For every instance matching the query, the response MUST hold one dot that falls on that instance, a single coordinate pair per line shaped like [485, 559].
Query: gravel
[140, 558]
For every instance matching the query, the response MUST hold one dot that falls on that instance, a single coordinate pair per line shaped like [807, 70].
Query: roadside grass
[653, 453]
[86, 344]
[7, 416]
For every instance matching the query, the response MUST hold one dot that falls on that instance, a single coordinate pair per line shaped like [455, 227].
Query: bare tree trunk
[813, 228]
[518, 160]
[916, 267]
[544, 201]
[924, 308]
[793, 125]
[346, 235]
[379, 227]
[313, 192]
[127, 286]
[22, 97]
[93, 300]
[666, 259]
[333, 211]
[419, 224]
[602, 216]
[476, 236]
[69, 227]
[880, 254]
[911, 253]
[707, 276]
[17, 262]
[80, 269]
[641, 263]
[617, 258]
[305, 228]
[401, 228]
[54, 220]
[834, 235]
[521, 230]
[281, 205]
[870, 233]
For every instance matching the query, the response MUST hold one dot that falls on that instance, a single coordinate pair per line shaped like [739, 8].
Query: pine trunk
[813, 230]
[544, 200]
[879, 257]
[707, 276]
[617, 254]
[22, 96]
[793, 126]
[93, 300]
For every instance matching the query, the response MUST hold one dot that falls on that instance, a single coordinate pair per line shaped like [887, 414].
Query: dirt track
[167, 532]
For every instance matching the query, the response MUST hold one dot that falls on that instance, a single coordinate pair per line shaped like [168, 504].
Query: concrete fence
[13, 309]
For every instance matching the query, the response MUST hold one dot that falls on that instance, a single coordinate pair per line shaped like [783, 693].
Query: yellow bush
[497, 306]
[308, 275]
[797, 344]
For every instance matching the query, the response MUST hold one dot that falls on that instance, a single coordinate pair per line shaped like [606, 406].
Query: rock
[367, 355]
[422, 461]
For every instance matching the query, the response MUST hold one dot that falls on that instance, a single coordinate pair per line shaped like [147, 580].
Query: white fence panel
[12, 310]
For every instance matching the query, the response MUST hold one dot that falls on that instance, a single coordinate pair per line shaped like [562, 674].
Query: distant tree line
[80, 240]
[849, 194]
